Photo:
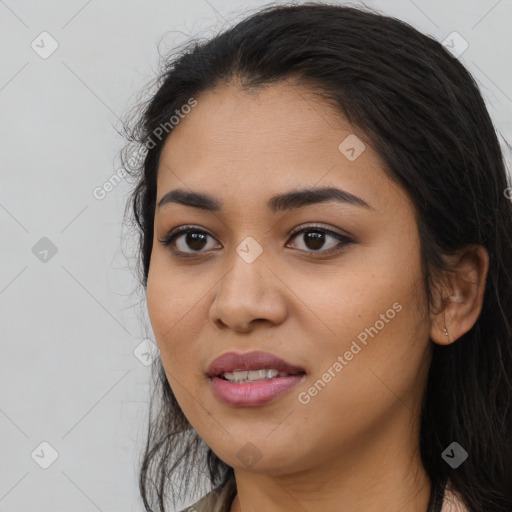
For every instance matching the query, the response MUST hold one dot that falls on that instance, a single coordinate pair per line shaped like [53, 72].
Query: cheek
[172, 309]
[344, 303]
[177, 308]
[381, 373]
[168, 303]
[373, 319]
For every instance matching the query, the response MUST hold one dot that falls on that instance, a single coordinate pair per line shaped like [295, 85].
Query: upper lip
[233, 361]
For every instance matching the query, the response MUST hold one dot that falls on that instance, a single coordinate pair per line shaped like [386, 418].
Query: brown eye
[189, 241]
[187, 238]
[195, 241]
[316, 239]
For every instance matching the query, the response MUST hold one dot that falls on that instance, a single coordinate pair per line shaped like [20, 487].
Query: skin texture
[356, 442]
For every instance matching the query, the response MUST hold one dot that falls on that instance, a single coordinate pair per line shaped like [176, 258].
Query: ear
[462, 295]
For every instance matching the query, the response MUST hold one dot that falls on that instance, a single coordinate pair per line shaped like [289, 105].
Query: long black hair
[421, 110]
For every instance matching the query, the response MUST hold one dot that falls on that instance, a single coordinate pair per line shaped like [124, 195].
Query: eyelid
[165, 240]
[314, 225]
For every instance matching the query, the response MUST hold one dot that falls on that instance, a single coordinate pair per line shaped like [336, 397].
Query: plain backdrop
[74, 374]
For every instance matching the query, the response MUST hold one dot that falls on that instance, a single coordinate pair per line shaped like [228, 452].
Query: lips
[233, 361]
[236, 391]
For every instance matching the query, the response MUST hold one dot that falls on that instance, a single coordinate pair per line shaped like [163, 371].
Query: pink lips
[251, 394]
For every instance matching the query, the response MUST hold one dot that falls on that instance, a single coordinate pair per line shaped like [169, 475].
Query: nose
[248, 294]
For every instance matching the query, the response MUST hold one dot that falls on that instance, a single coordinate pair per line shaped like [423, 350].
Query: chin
[262, 456]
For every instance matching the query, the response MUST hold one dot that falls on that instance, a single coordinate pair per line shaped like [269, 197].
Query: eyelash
[169, 239]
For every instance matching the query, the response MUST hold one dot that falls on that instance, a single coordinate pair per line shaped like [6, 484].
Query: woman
[325, 243]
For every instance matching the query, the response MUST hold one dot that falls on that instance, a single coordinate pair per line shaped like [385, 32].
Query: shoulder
[220, 498]
[217, 500]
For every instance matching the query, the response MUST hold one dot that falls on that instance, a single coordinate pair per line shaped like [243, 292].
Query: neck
[382, 471]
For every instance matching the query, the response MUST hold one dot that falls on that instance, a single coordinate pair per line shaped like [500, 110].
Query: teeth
[257, 374]
[253, 375]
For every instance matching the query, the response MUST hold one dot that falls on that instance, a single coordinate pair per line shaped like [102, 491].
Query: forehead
[257, 144]
[234, 123]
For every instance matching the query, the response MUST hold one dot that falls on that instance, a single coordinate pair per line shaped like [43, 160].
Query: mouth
[251, 379]
[251, 366]
[243, 376]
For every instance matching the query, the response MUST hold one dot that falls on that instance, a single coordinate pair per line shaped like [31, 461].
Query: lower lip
[252, 394]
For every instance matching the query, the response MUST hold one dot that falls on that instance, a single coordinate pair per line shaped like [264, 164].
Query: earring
[445, 329]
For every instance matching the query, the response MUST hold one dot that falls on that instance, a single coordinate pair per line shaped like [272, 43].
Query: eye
[316, 239]
[195, 238]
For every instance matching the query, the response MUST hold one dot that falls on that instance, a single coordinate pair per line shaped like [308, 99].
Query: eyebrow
[280, 202]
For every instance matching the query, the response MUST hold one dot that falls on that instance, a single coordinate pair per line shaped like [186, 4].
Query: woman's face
[347, 315]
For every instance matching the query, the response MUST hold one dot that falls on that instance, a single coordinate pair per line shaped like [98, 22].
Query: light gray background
[70, 325]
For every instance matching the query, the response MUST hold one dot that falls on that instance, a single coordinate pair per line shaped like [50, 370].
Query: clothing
[220, 499]
[217, 500]
[452, 501]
